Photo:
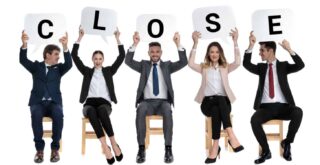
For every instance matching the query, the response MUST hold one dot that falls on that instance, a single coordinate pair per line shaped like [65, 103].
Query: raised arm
[74, 53]
[66, 66]
[237, 59]
[115, 66]
[175, 66]
[23, 59]
[298, 63]
[133, 64]
[247, 56]
[191, 63]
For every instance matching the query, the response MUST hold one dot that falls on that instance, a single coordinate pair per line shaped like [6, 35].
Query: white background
[16, 136]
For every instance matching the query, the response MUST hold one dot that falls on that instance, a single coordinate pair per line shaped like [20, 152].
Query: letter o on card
[156, 27]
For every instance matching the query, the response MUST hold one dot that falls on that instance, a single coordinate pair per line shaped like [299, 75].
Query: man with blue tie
[45, 99]
[155, 92]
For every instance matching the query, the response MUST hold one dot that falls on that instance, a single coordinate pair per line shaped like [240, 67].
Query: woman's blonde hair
[222, 59]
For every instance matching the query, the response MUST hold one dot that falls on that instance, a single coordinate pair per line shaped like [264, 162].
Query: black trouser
[219, 109]
[99, 117]
[269, 111]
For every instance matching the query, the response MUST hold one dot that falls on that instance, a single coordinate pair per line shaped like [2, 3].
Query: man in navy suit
[45, 99]
[274, 99]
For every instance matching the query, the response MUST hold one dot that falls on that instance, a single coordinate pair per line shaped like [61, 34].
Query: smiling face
[53, 57]
[97, 59]
[267, 50]
[266, 54]
[51, 54]
[155, 53]
[214, 54]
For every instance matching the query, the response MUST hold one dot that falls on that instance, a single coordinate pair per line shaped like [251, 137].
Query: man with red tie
[274, 99]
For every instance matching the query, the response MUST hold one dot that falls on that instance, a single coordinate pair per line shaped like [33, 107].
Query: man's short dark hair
[49, 49]
[151, 44]
[269, 45]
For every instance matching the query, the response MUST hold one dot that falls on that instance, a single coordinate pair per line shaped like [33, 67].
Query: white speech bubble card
[214, 22]
[44, 28]
[99, 21]
[272, 24]
[153, 27]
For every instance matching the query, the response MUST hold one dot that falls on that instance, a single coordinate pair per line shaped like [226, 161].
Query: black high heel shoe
[209, 160]
[119, 158]
[237, 149]
[110, 161]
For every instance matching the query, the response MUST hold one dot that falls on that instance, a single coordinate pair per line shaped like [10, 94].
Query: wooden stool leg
[281, 137]
[60, 149]
[83, 145]
[147, 142]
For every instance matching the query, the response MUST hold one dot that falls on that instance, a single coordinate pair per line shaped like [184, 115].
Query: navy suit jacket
[41, 80]
[283, 69]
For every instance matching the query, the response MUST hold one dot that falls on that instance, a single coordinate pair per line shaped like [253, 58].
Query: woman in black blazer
[97, 92]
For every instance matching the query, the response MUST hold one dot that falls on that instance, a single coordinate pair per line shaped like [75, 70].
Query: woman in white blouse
[97, 93]
[215, 94]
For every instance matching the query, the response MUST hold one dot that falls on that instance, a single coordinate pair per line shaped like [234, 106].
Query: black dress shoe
[38, 158]
[286, 150]
[141, 156]
[54, 156]
[209, 160]
[168, 156]
[119, 158]
[237, 149]
[110, 161]
[263, 157]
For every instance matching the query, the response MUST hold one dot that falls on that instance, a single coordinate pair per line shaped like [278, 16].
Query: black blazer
[87, 73]
[283, 69]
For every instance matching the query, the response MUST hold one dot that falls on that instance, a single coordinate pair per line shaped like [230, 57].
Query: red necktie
[271, 85]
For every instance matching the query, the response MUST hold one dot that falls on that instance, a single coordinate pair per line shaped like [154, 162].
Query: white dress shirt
[47, 65]
[163, 90]
[214, 85]
[98, 86]
[278, 95]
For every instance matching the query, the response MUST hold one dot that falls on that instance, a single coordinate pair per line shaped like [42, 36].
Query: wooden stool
[275, 136]
[47, 133]
[152, 130]
[86, 135]
[208, 134]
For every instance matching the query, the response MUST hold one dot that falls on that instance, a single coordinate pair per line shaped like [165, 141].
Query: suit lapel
[164, 72]
[148, 68]
[43, 70]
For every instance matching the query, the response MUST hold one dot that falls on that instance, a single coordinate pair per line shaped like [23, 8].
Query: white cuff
[249, 51]
[132, 48]
[180, 48]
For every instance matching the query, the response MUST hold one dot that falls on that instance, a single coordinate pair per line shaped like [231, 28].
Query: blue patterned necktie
[155, 80]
